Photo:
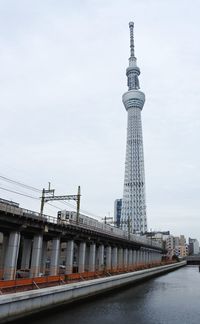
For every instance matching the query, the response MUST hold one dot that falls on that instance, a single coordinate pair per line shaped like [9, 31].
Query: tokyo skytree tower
[133, 217]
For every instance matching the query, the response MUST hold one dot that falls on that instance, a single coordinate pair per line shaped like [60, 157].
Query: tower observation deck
[133, 216]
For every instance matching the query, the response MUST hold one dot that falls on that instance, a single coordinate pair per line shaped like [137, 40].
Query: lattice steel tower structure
[133, 216]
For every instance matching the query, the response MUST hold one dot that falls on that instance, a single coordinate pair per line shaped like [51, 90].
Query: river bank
[19, 305]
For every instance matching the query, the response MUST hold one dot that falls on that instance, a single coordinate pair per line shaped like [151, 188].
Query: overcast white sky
[62, 75]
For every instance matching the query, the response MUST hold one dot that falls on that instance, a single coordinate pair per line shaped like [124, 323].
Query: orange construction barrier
[31, 283]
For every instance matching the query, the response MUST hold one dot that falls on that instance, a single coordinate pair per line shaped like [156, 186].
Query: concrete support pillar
[130, 258]
[100, 262]
[1, 254]
[139, 257]
[144, 257]
[125, 258]
[150, 257]
[44, 257]
[55, 256]
[36, 256]
[159, 257]
[134, 258]
[3, 247]
[26, 254]
[147, 257]
[155, 257]
[87, 257]
[120, 259]
[108, 258]
[114, 259]
[92, 257]
[69, 257]
[81, 257]
[10, 265]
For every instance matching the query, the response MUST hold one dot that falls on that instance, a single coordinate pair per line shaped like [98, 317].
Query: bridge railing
[27, 213]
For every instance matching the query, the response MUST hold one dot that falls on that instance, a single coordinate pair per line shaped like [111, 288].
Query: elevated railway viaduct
[27, 236]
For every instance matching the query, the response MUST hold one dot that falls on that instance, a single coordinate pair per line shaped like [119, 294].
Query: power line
[19, 183]
[25, 195]
[53, 206]
[26, 187]
[23, 185]
[19, 193]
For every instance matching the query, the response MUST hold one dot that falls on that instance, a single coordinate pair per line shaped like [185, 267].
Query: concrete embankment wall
[18, 305]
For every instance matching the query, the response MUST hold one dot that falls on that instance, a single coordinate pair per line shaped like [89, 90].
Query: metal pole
[42, 202]
[78, 204]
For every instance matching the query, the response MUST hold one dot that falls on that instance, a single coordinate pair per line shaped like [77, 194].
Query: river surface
[173, 298]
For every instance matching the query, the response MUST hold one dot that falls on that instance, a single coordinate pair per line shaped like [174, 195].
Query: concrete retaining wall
[18, 305]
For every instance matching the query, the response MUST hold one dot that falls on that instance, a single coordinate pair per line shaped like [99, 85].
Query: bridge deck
[30, 222]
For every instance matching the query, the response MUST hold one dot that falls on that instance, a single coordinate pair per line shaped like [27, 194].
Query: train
[70, 217]
[65, 217]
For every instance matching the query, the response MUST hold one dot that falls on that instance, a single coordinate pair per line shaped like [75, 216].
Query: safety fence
[24, 284]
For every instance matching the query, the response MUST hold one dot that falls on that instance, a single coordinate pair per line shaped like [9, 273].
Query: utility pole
[49, 195]
[78, 204]
[107, 218]
[43, 198]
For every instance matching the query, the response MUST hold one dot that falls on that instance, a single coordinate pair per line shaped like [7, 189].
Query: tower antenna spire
[132, 50]
[133, 216]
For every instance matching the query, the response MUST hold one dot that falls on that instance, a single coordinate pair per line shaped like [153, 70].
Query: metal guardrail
[27, 213]
[24, 284]
[105, 228]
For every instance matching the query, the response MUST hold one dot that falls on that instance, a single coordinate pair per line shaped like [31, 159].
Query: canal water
[173, 298]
